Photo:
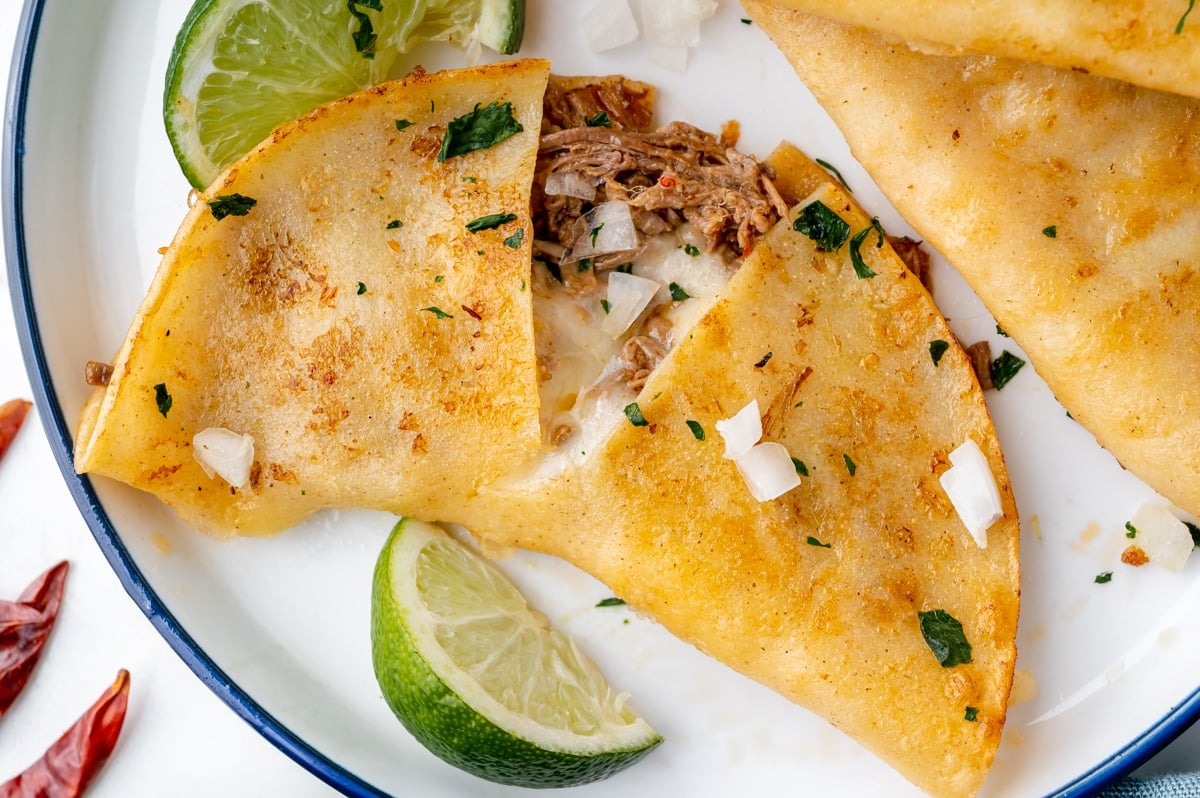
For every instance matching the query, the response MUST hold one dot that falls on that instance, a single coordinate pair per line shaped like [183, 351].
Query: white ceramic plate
[279, 628]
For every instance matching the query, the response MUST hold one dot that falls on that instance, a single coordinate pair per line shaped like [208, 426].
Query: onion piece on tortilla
[224, 453]
[1165, 539]
[603, 230]
[768, 470]
[741, 431]
[971, 488]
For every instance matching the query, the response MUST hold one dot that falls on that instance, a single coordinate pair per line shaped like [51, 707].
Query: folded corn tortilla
[378, 352]
[816, 594]
[1152, 43]
[987, 158]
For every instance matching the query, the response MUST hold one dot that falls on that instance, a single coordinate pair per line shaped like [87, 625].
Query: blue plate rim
[1122, 762]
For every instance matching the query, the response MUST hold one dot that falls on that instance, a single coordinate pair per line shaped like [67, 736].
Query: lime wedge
[481, 680]
[241, 67]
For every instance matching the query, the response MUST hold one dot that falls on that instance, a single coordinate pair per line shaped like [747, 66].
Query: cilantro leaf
[490, 222]
[479, 129]
[611, 601]
[599, 120]
[1104, 578]
[634, 414]
[944, 635]
[856, 259]
[971, 714]
[364, 36]
[441, 314]
[677, 292]
[823, 226]
[514, 240]
[801, 468]
[697, 430]
[937, 349]
[162, 398]
[231, 205]
[1004, 368]
[814, 542]
[831, 169]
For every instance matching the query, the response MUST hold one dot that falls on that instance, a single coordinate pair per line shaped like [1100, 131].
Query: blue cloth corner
[1176, 785]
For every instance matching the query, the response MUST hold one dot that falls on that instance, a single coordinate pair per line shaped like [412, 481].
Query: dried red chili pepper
[67, 767]
[12, 414]
[24, 626]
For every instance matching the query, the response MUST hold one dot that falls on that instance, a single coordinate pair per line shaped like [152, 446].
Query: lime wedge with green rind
[239, 68]
[481, 680]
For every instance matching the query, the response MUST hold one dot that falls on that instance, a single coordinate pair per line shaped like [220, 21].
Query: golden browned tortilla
[301, 325]
[987, 158]
[377, 351]
[1153, 43]
[815, 594]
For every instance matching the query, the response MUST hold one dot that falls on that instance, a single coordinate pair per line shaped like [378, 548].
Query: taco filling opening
[636, 231]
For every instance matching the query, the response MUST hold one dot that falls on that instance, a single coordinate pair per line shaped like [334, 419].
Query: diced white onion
[628, 296]
[604, 229]
[971, 488]
[1165, 539]
[741, 431]
[571, 184]
[768, 470]
[609, 24]
[224, 453]
[675, 23]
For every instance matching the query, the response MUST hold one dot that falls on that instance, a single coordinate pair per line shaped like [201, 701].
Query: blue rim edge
[1121, 763]
[61, 442]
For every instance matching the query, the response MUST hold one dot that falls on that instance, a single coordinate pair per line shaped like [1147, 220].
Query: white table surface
[179, 739]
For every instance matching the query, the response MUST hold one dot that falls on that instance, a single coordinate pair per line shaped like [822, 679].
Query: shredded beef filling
[598, 132]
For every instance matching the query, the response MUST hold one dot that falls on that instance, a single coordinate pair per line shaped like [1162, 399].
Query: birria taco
[705, 379]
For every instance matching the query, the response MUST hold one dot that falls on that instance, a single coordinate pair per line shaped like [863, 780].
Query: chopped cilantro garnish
[395, 224]
[606, 305]
[944, 635]
[595, 232]
[823, 226]
[479, 129]
[364, 36]
[1130, 530]
[764, 360]
[691, 249]
[402, 123]
[1104, 578]
[490, 222]
[162, 398]
[362, 288]
[514, 240]
[972, 714]
[611, 601]
[439, 278]
[850, 465]
[860, 266]
[231, 205]
[697, 430]
[1004, 368]
[441, 314]
[937, 348]
[677, 292]
[599, 120]
[748, 21]
[1051, 231]
[801, 468]
[584, 264]
[625, 268]
[1183, 20]
[634, 414]
[833, 170]
[814, 542]
[1000, 331]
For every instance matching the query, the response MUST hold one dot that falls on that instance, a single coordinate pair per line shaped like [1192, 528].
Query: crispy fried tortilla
[1152, 43]
[817, 593]
[377, 351]
[987, 157]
